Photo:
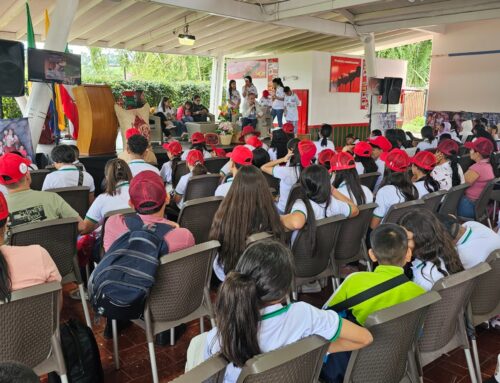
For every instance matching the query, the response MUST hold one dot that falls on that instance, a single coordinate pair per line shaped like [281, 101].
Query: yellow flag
[47, 23]
[61, 122]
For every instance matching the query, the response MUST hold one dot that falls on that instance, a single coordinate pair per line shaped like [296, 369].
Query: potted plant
[225, 132]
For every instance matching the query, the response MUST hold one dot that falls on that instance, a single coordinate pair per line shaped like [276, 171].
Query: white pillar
[217, 83]
[368, 41]
[39, 99]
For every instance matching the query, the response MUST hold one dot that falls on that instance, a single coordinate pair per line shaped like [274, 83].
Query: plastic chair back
[210, 371]
[400, 209]
[369, 179]
[452, 198]
[202, 186]
[481, 207]
[214, 165]
[180, 170]
[465, 162]
[485, 298]
[197, 216]
[432, 200]
[77, 197]
[37, 178]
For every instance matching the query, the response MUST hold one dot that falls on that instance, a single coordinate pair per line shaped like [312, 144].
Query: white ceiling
[243, 27]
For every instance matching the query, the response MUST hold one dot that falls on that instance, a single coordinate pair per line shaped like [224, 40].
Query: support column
[217, 83]
[39, 99]
[368, 40]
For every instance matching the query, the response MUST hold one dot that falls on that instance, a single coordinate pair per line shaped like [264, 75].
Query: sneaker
[75, 294]
[495, 322]
[311, 287]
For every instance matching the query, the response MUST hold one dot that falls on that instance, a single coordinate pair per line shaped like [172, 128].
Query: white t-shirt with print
[223, 189]
[279, 104]
[425, 274]
[67, 176]
[292, 104]
[137, 166]
[386, 197]
[280, 326]
[345, 191]
[476, 244]
[288, 176]
[104, 203]
[186, 152]
[181, 187]
[319, 148]
[444, 175]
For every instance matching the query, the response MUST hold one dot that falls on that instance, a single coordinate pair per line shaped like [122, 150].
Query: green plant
[10, 108]
[414, 125]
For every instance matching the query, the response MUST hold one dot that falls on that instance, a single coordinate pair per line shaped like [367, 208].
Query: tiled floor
[135, 365]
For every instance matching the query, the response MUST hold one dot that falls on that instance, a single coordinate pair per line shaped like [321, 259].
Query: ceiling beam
[317, 25]
[348, 15]
[432, 29]
[11, 13]
[303, 38]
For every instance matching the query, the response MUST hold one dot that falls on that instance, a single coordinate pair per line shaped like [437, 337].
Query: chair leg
[85, 306]
[202, 325]
[64, 378]
[172, 336]
[116, 356]
[470, 366]
[212, 321]
[152, 357]
[295, 296]
[477, 364]
[369, 265]
[489, 223]
[87, 271]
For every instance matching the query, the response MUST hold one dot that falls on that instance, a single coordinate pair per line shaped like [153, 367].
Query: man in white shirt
[137, 146]
[292, 103]
[240, 156]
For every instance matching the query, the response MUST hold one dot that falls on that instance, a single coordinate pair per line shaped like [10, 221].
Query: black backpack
[119, 285]
[81, 354]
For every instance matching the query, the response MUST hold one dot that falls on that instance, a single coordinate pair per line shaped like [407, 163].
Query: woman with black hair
[423, 164]
[346, 179]
[277, 148]
[448, 171]
[429, 141]
[363, 158]
[324, 142]
[278, 101]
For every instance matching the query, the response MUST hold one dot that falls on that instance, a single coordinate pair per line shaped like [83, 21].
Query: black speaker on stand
[392, 90]
[11, 70]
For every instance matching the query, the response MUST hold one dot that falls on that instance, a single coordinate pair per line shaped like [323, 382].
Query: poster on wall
[15, 135]
[384, 121]
[272, 72]
[456, 119]
[236, 70]
[364, 89]
[345, 75]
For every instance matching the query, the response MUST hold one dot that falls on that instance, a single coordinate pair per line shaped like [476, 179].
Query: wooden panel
[97, 119]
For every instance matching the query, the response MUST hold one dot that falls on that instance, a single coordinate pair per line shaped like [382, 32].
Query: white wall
[466, 83]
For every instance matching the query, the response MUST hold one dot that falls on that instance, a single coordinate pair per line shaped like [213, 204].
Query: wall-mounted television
[51, 66]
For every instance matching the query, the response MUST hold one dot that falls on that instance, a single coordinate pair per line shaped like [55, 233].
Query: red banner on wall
[364, 88]
[272, 72]
[236, 70]
[345, 75]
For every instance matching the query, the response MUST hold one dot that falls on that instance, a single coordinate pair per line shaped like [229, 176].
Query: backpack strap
[134, 222]
[370, 293]
[80, 177]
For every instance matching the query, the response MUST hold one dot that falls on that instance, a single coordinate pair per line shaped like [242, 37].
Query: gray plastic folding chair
[58, 237]
[352, 247]
[313, 264]
[395, 331]
[433, 200]
[369, 179]
[400, 209]
[214, 165]
[180, 170]
[197, 215]
[299, 362]
[77, 197]
[465, 162]
[481, 213]
[452, 198]
[210, 371]
[258, 237]
[175, 298]
[202, 186]
[103, 227]
[484, 302]
[444, 324]
[37, 178]
[29, 333]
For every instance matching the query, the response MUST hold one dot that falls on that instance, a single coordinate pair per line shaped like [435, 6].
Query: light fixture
[185, 38]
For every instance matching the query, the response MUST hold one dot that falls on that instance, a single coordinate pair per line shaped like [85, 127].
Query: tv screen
[51, 66]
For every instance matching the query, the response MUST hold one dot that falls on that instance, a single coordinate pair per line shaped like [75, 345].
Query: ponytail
[199, 169]
[455, 175]
[116, 170]
[430, 183]
[175, 162]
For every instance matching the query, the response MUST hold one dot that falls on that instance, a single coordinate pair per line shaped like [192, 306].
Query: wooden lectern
[97, 119]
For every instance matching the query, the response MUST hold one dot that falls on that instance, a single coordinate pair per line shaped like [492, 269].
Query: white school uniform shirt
[422, 191]
[137, 166]
[345, 191]
[443, 174]
[386, 197]
[166, 172]
[273, 154]
[360, 168]
[292, 104]
[280, 326]
[426, 274]
[424, 145]
[67, 176]
[279, 104]
[104, 203]
[476, 244]
[223, 189]
[381, 170]
[180, 189]
[288, 176]
[319, 148]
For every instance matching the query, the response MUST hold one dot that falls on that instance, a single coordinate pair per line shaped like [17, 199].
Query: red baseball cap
[363, 149]
[194, 157]
[254, 141]
[325, 156]
[397, 160]
[147, 191]
[425, 160]
[288, 128]
[265, 93]
[481, 145]
[342, 161]
[448, 147]
[382, 143]
[4, 209]
[249, 129]
[132, 132]
[13, 167]
[173, 147]
[307, 151]
[219, 152]
[197, 138]
[241, 155]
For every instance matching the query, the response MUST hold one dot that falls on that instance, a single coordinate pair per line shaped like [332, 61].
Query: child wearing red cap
[137, 148]
[149, 156]
[477, 176]
[422, 165]
[448, 171]
[174, 153]
[379, 145]
[196, 165]
[324, 141]
[240, 156]
[325, 157]
[396, 186]
[346, 179]
[197, 143]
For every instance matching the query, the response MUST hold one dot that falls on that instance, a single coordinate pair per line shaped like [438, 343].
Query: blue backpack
[120, 284]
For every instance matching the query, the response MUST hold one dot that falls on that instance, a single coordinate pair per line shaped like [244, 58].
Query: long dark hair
[163, 101]
[315, 186]
[278, 82]
[433, 243]
[482, 132]
[325, 132]
[248, 208]
[427, 133]
[263, 275]
[295, 158]
[229, 90]
[402, 182]
[368, 163]
[116, 170]
[5, 281]
[430, 184]
[351, 179]
[278, 142]
[202, 147]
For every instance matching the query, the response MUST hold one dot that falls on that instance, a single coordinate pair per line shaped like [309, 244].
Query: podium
[97, 119]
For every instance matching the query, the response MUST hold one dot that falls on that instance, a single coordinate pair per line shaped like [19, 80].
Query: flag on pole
[70, 109]
[30, 34]
[61, 122]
